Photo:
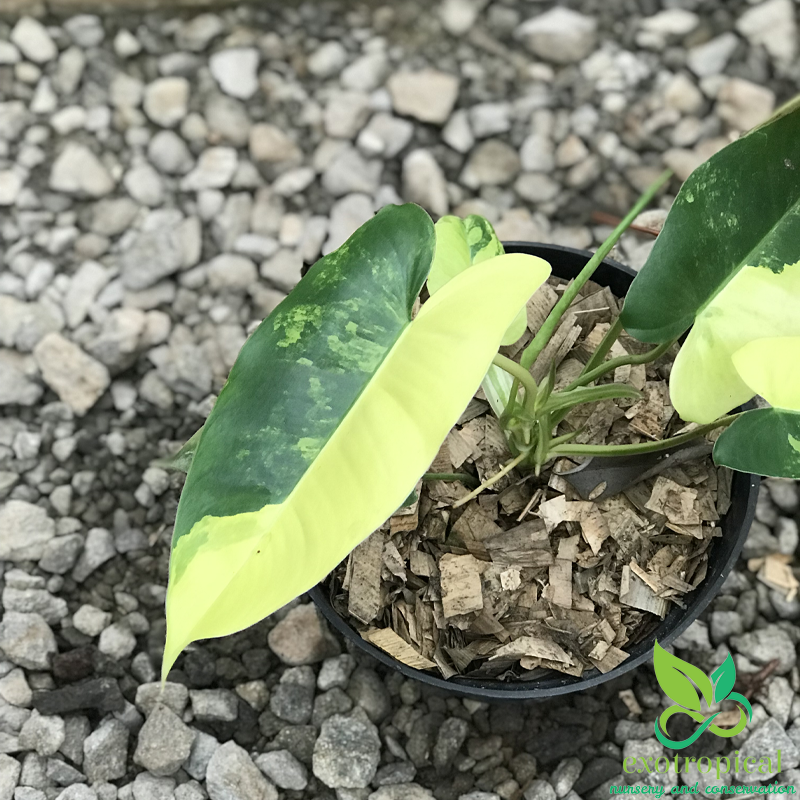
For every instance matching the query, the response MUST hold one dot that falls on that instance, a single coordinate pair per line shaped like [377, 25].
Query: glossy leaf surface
[739, 209]
[765, 441]
[771, 368]
[336, 406]
[757, 304]
[460, 243]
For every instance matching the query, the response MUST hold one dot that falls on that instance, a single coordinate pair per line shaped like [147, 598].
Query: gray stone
[424, 182]
[347, 752]
[161, 250]
[196, 33]
[16, 387]
[345, 114]
[565, 775]
[78, 171]
[539, 790]
[98, 548]
[270, 144]
[492, 163]
[559, 35]
[771, 24]
[90, 620]
[235, 70]
[350, 172]
[458, 16]
[327, 60]
[84, 286]
[150, 787]
[214, 170]
[369, 692]
[26, 640]
[77, 378]
[10, 770]
[723, 625]
[169, 153]
[10, 185]
[117, 641]
[203, 748]
[37, 601]
[301, 637]
[449, 740]
[428, 95]
[283, 769]
[32, 38]
[60, 554]
[174, 696]
[144, 185]
[105, 752]
[764, 645]
[711, 57]
[335, 672]
[744, 104]
[402, 791]
[165, 742]
[232, 775]
[166, 101]
[766, 741]
[14, 689]
[25, 530]
[231, 272]
[45, 735]
[214, 705]
[366, 73]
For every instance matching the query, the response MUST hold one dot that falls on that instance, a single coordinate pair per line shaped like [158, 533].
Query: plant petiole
[588, 376]
[590, 394]
[520, 375]
[643, 447]
[464, 477]
[544, 334]
[612, 334]
[491, 481]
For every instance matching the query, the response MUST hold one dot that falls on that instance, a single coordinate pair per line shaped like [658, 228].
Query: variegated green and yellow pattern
[336, 405]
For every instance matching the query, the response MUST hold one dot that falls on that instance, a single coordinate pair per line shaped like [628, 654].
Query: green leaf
[335, 407]
[769, 368]
[723, 677]
[460, 243]
[757, 304]
[765, 441]
[182, 460]
[675, 677]
[740, 208]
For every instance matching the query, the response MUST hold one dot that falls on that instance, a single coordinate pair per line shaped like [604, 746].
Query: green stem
[612, 334]
[620, 361]
[491, 481]
[464, 477]
[520, 375]
[644, 447]
[543, 335]
[591, 394]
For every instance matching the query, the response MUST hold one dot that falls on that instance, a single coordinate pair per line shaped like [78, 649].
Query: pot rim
[486, 689]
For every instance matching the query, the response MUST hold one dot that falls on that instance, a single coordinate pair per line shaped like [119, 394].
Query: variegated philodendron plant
[340, 400]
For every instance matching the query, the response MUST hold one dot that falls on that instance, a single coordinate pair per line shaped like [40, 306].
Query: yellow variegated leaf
[771, 368]
[757, 303]
[228, 572]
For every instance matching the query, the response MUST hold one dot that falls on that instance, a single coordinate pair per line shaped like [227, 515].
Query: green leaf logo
[679, 679]
[724, 676]
[675, 677]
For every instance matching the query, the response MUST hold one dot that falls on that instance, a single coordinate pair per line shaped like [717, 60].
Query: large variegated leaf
[758, 303]
[739, 209]
[460, 243]
[765, 441]
[335, 406]
[771, 368]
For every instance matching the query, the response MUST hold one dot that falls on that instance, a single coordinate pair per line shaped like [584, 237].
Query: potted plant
[341, 400]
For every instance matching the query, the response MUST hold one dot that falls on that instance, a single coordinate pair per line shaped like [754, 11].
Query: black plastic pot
[567, 263]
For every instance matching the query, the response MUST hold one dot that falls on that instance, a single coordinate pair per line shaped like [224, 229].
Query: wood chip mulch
[529, 577]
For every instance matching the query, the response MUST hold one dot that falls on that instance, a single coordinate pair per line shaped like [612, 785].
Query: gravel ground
[162, 179]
